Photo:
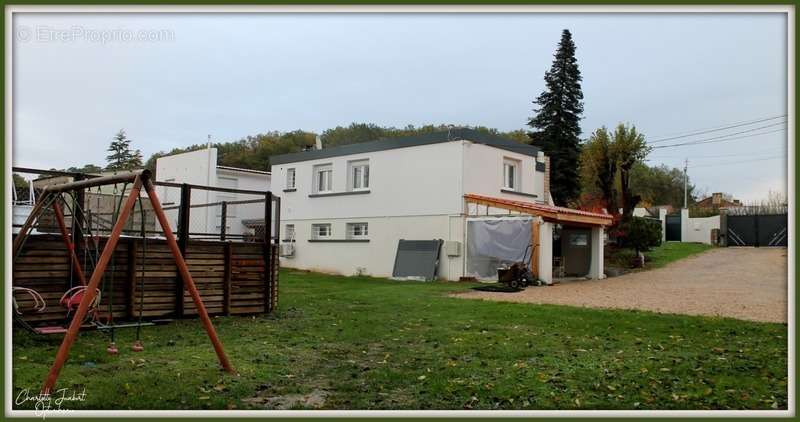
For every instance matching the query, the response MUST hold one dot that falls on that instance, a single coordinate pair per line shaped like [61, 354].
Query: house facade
[200, 168]
[344, 209]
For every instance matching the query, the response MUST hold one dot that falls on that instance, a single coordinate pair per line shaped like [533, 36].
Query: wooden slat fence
[231, 277]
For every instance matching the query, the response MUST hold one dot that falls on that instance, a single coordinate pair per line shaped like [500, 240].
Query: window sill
[288, 241]
[290, 190]
[354, 192]
[338, 240]
[513, 192]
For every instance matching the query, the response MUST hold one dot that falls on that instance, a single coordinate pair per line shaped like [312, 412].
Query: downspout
[211, 168]
[464, 212]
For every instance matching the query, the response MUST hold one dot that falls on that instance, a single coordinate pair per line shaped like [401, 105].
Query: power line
[725, 138]
[761, 152]
[741, 161]
[717, 126]
[747, 153]
[729, 126]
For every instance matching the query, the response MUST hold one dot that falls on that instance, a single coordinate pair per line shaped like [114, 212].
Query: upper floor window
[290, 178]
[323, 178]
[359, 175]
[289, 232]
[511, 174]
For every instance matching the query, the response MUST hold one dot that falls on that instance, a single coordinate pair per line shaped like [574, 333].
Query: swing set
[82, 301]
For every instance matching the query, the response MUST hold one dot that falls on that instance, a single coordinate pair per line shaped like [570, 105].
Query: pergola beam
[551, 216]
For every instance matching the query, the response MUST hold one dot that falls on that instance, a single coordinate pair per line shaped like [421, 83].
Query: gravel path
[743, 283]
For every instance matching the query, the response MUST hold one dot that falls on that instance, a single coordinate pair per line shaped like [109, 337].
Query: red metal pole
[186, 277]
[91, 289]
[70, 246]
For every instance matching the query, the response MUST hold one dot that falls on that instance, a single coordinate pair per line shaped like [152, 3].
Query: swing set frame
[141, 179]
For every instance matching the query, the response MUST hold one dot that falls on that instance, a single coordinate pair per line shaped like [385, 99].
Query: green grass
[672, 251]
[657, 257]
[363, 343]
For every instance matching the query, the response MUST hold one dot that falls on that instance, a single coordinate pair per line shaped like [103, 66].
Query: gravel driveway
[743, 283]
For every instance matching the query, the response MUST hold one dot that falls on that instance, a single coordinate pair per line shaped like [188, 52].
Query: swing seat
[50, 330]
[72, 298]
[72, 302]
[57, 329]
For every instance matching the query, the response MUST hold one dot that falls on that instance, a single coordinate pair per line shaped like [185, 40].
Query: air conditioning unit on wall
[287, 250]
[452, 248]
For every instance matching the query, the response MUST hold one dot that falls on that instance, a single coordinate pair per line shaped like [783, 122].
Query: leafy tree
[660, 185]
[599, 167]
[629, 148]
[19, 181]
[254, 152]
[121, 156]
[87, 168]
[556, 127]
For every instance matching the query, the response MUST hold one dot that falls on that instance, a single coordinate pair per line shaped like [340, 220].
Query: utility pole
[685, 183]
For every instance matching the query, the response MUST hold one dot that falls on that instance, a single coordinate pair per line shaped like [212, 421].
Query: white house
[200, 168]
[345, 208]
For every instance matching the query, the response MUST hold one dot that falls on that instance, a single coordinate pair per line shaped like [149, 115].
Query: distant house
[200, 168]
[718, 200]
[345, 209]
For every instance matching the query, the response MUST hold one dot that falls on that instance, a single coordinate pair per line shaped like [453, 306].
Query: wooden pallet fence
[231, 277]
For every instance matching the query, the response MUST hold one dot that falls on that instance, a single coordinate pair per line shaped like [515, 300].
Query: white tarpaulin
[494, 243]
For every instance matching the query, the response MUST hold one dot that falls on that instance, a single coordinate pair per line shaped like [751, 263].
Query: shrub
[639, 233]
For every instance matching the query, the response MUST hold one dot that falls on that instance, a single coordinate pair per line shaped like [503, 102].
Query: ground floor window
[321, 231]
[289, 232]
[357, 230]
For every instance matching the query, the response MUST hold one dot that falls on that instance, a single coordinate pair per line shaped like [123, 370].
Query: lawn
[363, 343]
[671, 252]
[657, 257]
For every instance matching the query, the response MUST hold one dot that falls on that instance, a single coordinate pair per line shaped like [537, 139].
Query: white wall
[235, 179]
[200, 168]
[424, 180]
[699, 229]
[191, 167]
[546, 252]
[596, 267]
[483, 173]
[414, 193]
[662, 216]
[376, 257]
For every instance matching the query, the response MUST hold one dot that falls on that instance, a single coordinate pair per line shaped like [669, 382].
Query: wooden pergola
[549, 213]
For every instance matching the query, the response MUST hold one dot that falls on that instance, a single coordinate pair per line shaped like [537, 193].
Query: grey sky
[233, 75]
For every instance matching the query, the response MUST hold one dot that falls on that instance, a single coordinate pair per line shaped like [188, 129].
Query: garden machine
[519, 274]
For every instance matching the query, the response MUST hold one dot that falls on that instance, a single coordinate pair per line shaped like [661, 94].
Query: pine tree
[122, 157]
[556, 124]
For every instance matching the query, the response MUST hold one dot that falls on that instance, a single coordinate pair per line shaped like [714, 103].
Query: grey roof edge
[385, 144]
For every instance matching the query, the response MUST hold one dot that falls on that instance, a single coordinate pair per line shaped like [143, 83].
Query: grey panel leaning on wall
[417, 259]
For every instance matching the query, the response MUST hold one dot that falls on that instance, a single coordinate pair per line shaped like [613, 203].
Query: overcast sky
[233, 75]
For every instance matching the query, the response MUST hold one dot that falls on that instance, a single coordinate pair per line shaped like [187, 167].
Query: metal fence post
[267, 250]
[223, 220]
[183, 241]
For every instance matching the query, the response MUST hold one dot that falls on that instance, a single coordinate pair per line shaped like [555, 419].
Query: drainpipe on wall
[212, 167]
